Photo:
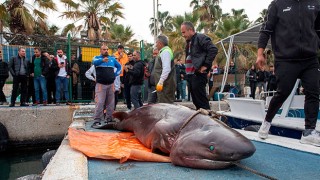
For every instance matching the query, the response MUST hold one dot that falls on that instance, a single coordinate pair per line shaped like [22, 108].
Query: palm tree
[232, 24]
[229, 25]
[123, 34]
[263, 13]
[22, 17]
[176, 41]
[209, 12]
[94, 13]
[72, 29]
[164, 23]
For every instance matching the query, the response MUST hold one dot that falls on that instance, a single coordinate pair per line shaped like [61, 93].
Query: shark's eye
[211, 148]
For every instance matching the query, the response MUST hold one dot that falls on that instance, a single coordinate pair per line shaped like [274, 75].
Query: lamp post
[155, 18]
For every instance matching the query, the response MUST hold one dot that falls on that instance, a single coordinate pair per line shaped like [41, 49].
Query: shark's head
[211, 146]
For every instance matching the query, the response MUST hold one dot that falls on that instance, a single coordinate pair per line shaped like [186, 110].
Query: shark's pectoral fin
[120, 115]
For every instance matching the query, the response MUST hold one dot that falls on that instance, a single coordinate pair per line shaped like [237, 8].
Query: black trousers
[51, 90]
[116, 94]
[74, 91]
[127, 95]
[253, 87]
[21, 80]
[198, 82]
[287, 72]
[2, 96]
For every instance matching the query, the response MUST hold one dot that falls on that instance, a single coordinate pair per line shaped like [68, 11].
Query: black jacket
[52, 68]
[126, 76]
[202, 52]
[4, 70]
[180, 69]
[137, 73]
[15, 65]
[252, 75]
[44, 65]
[294, 27]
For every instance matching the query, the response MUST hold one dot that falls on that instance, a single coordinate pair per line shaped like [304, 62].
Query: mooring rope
[253, 171]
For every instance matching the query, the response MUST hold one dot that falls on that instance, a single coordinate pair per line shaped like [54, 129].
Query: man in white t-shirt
[62, 77]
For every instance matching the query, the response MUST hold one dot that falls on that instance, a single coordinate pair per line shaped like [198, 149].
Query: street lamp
[155, 18]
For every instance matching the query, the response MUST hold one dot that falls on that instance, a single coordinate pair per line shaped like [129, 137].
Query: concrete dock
[268, 160]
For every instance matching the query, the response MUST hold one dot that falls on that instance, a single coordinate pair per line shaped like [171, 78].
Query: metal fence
[84, 90]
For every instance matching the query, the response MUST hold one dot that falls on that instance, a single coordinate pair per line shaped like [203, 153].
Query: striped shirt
[189, 66]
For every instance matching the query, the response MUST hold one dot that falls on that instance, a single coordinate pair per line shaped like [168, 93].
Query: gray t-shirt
[22, 68]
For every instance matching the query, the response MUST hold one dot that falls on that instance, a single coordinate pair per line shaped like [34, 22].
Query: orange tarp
[108, 145]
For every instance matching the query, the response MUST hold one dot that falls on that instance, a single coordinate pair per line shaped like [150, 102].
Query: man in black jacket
[18, 67]
[137, 74]
[200, 53]
[294, 27]
[126, 80]
[50, 78]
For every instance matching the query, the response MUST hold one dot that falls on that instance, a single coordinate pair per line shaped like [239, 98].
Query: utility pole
[154, 22]
[155, 18]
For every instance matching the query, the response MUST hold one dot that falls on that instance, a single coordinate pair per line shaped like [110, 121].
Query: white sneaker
[264, 130]
[313, 138]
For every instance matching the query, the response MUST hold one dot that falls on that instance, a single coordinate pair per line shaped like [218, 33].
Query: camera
[61, 62]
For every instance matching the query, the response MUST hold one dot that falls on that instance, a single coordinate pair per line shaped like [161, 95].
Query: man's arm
[11, 64]
[97, 61]
[89, 73]
[118, 66]
[166, 64]
[211, 50]
[267, 27]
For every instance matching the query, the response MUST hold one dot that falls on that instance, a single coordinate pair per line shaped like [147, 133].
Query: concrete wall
[36, 125]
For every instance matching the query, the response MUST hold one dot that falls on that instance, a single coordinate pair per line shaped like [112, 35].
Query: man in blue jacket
[294, 28]
[104, 90]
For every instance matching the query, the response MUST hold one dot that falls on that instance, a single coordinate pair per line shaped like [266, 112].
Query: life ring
[46, 157]
[4, 136]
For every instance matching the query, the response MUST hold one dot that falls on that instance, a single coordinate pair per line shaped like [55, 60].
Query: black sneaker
[11, 105]
[24, 104]
[109, 119]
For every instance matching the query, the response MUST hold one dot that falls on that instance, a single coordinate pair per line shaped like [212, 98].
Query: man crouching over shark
[190, 138]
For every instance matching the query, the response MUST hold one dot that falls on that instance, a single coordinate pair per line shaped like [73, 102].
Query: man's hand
[105, 59]
[202, 69]
[159, 87]
[261, 60]
[32, 75]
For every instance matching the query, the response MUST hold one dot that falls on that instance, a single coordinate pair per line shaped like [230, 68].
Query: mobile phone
[62, 63]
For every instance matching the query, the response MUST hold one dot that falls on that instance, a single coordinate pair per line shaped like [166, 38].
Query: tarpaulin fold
[112, 145]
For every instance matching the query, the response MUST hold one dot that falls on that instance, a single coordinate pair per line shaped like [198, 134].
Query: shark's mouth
[195, 162]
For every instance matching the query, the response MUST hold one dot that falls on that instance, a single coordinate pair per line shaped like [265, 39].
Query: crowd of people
[44, 79]
[261, 79]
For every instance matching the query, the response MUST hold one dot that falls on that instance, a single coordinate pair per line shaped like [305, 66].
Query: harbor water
[15, 164]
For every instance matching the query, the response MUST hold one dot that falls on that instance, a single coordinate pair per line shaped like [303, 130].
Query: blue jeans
[183, 89]
[40, 82]
[65, 82]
